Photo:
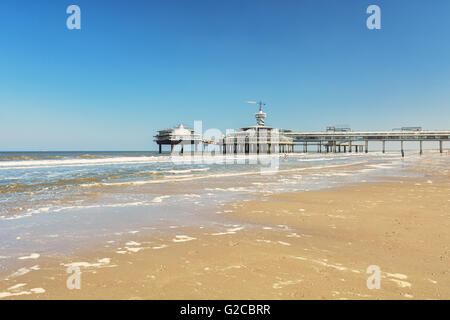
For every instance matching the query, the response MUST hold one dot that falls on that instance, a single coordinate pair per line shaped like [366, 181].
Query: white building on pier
[258, 139]
[177, 135]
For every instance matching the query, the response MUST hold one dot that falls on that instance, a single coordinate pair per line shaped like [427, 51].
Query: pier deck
[334, 141]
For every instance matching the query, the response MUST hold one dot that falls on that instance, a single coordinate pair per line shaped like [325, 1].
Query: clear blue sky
[139, 66]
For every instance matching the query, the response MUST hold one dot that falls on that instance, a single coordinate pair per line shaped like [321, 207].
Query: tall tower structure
[260, 115]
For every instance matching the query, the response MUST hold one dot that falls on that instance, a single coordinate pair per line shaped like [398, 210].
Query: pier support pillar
[306, 147]
[401, 147]
[160, 148]
[421, 149]
[384, 146]
[367, 146]
[350, 146]
[440, 146]
[171, 148]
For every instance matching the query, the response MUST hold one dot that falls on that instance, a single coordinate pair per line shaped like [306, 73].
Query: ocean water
[63, 201]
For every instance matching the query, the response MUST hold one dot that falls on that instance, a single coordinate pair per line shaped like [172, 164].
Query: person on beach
[403, 154]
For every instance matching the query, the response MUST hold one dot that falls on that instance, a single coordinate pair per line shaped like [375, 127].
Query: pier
[358, 141]
[260, 138]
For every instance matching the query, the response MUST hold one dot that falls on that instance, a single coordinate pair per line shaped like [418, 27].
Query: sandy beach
[300, 245]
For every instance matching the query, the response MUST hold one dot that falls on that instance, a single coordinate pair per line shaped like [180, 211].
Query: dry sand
[309, 245]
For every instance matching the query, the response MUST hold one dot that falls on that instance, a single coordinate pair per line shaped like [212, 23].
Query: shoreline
[297, 245]
[65, 225]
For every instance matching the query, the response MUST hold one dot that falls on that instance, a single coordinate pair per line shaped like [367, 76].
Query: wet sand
[306, 245]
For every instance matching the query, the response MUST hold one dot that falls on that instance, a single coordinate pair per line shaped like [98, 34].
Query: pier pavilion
[257, 139]
[177, 135]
